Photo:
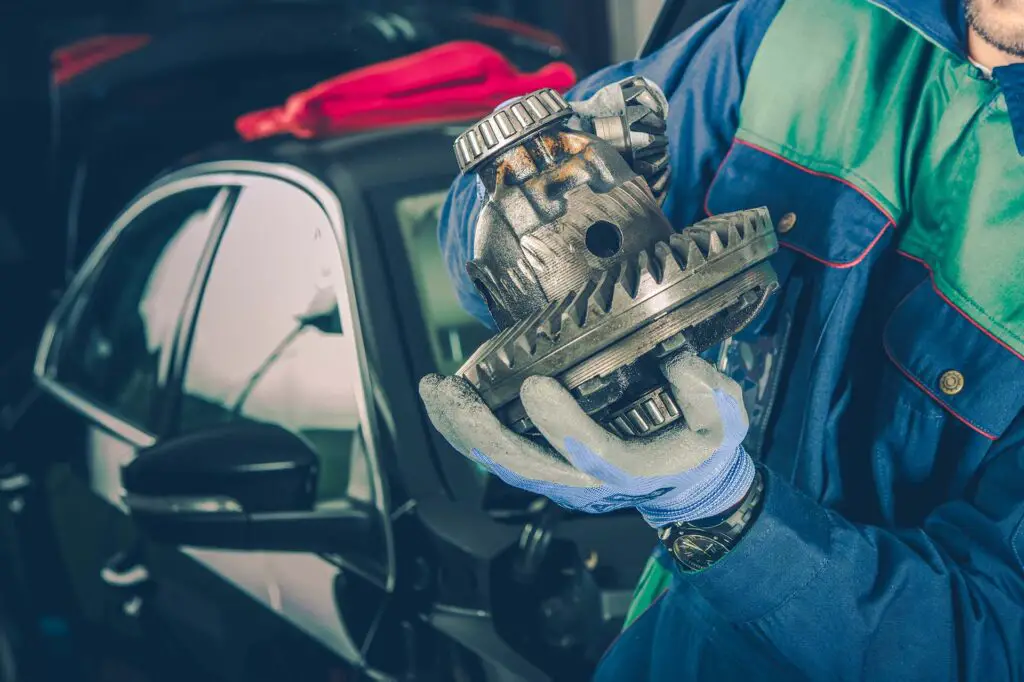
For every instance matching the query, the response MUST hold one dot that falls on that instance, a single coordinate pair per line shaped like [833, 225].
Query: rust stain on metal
[516, 163]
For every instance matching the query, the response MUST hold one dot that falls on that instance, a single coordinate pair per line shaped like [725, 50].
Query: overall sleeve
[843, 601]
[702, 73]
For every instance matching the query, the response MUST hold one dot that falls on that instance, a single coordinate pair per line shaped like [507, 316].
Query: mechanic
[869, 526]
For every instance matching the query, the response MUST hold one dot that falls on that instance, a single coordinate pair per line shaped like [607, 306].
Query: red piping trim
[844, 181]
[833, 264]
[954, 306]
[908, 375]
[804, 252]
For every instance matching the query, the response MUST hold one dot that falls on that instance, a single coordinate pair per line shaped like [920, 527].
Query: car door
[192, 303]
[275, 339]
[107, 354]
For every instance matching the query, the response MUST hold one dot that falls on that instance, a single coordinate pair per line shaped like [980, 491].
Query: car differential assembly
[580, 269]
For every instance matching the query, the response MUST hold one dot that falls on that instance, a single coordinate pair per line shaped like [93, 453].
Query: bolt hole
[603, 239]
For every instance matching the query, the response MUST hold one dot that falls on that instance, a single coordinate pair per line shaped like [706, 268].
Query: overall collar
[943, 23]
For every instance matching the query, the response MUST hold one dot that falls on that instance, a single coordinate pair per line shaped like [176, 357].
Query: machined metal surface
[651, 412]
[688, 292]
[630, 116]
[584, 275]
[508, 125]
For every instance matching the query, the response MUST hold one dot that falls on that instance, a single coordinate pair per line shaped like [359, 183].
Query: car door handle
[13, 482]
[125, 571]
[13, 486]
[127, 576]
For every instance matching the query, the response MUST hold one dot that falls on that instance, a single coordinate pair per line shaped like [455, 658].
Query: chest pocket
[955, 363]
[954, 390]
[820, 216]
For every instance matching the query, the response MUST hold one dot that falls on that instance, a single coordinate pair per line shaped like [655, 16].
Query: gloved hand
[685, 472]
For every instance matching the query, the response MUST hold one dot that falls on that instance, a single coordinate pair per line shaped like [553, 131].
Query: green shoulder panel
[845, 88]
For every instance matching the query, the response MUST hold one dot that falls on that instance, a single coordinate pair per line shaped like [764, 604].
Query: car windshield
[453, 334]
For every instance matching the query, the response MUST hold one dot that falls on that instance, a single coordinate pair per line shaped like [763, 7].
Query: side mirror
[240, 486]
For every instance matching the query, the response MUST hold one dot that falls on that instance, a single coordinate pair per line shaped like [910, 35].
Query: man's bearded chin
[1000, 23]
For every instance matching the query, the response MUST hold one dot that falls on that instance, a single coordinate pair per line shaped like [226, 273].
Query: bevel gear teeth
[645, 132]
[649, 167]
[616, 290]
[668, 261]
[626, 283]
[733, 236]
[619, 287]
[659, 185]
[686, 248]
[601, 300]
[729, 229]
[526, 342]
[523, 344]
[575, 314]
[650, 274]
[639, 91]
[715, 245]
[510, 348]
[551, 320]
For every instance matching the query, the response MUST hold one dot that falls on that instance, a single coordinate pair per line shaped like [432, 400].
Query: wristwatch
[697, 545]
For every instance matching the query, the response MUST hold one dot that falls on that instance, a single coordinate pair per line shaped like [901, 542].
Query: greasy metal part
[507, 125]
[631, 301]
[630, 115]
[647, 414]
[585, 338]
[582, 272]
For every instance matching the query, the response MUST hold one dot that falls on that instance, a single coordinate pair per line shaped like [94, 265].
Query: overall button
[787, 222]
[951, 382]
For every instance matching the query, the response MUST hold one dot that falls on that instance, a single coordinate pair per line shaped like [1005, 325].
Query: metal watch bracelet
[697, 545]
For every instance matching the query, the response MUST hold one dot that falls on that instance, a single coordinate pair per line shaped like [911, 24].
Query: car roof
[335, 37]
[370, 158]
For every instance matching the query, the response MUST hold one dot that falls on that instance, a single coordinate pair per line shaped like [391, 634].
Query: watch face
[696, 551]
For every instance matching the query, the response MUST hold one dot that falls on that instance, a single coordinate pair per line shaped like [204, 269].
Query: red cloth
[453, 82]
[72, 60]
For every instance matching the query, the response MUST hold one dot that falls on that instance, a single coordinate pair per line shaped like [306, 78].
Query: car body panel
[443, 523]
[298, 587]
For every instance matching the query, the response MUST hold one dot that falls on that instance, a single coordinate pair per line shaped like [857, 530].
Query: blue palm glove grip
[686, 472]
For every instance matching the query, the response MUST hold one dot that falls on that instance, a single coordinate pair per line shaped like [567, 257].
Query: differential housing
[581, 271]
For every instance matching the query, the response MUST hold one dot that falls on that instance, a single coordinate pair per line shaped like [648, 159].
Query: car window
[453, 333]
[115, 346]
[269, 344]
